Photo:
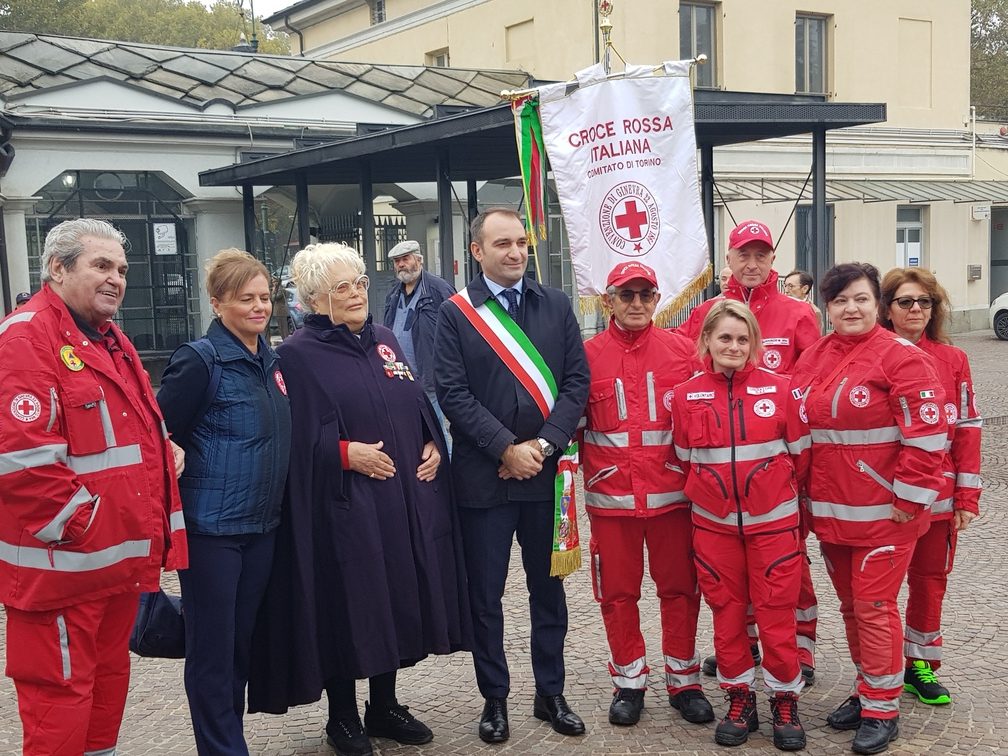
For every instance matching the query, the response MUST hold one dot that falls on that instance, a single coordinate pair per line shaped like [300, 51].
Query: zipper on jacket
[836, 397]
[762, 466]
[652, 409]
[713, 472]
[741, 420]
[867, 470]
[53, 405]
[734, 474]
[602, 474]
[905, 405]
[963, 401]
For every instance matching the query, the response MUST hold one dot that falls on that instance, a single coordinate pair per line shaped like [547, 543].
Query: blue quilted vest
[237, 453]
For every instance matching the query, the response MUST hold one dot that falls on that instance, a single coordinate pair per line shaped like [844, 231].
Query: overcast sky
[263, 8]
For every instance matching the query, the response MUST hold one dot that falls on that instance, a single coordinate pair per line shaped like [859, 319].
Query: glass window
[696, 36]
[910, 251]
[810, 54]
[377, 11]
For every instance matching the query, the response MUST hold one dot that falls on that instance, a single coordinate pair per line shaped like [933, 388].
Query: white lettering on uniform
[758, 390]
[777, 341]
[694, 395]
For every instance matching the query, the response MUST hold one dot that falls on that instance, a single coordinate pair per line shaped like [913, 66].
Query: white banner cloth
[623, 154]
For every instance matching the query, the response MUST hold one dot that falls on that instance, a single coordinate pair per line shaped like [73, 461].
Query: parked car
[999, 316]
[295, 310]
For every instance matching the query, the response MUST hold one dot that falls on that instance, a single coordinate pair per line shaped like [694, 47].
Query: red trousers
[806, 615]
[71, 670]
[617, 553]
[867, 580]
[763, 569]
[927, 579]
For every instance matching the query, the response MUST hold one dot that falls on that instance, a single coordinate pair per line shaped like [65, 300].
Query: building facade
[926, 188]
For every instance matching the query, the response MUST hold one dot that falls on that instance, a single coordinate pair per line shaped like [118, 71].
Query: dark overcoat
[368, 575]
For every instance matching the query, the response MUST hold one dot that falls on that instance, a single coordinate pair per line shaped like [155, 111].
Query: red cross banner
[623, 153]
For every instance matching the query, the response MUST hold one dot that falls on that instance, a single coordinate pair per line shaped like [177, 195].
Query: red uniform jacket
[788, 326]
[962, 485]
[89, 505]
[744, 446]
[875, 409]
[627, 441]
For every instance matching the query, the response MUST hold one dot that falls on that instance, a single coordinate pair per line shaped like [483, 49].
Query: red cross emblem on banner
[632, 219]
[629, 219]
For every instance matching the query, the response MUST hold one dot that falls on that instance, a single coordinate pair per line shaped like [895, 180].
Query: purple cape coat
[368, 575]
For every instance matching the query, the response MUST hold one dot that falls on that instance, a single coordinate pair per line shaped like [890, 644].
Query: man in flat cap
[411, 309]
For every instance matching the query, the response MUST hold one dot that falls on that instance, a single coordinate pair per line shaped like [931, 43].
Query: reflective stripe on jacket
[626, 449]
[962, 485]
[89, 504]
[878, 437]
[744, 447]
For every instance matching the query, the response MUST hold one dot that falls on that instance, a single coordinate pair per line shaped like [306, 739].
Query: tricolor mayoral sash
[520, 356]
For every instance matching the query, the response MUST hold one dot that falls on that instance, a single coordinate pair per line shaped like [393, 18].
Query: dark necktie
[512, 299]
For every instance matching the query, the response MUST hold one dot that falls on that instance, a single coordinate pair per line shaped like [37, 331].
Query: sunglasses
[905, 303]
[647, 296]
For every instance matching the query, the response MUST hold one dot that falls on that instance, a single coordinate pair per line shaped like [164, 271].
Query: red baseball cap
[750, 231]
[628, 271]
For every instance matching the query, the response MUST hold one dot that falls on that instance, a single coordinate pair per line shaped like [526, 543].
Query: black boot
[788, 733]
[345, 733]
[874, 734]
[393, 721]
[847, 715]
[741, 718]
[626, 707]
[693, 705]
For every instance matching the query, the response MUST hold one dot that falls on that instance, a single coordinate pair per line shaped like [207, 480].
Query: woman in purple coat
[368, 575]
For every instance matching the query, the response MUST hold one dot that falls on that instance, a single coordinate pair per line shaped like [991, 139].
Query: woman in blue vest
[225, 402]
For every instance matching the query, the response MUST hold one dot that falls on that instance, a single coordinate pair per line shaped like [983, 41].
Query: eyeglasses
[905, 303]
[791, 286]
[647, 296]
[344, 289]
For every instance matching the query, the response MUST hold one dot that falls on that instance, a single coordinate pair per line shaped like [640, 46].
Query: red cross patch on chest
[765, 408]
[859, 396]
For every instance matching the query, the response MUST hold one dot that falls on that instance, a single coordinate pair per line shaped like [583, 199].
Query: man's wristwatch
[547, 448]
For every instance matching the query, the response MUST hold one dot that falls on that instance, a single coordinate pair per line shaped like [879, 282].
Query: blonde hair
[229, 270]
[310, 268]
[731, 308]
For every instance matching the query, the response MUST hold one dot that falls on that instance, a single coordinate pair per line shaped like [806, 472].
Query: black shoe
[626, 707]
[808, 673]
[788, 733]
[693, 705]
[847, 715]
[493, 726]
[554, 709]
[346, 735]
[396, 723]
[709, 665]
[874, 735]
[740, 720]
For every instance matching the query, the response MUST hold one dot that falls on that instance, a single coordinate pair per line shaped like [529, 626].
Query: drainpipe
[290, 26]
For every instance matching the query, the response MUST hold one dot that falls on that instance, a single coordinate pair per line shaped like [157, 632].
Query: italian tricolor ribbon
[520, 356]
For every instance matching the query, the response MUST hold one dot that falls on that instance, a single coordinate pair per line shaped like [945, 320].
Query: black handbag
[159, 630]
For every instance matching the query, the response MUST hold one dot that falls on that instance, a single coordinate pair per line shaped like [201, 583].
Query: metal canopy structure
[479, 145]
[874, 190]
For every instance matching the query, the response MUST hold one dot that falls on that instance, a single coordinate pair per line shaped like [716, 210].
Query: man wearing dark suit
[505, 460]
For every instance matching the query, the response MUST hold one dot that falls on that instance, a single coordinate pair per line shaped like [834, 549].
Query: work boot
[709, 665]
[808, 674]
[846, 716]
[693, 705]
[741, 718]
[396, 723]
[788, 733]
[626, 707]
[346, 735]
[920, 680]
[874, 735]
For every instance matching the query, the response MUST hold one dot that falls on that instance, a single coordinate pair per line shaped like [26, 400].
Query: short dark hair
[804, 277]
[476, 227]
[839, 277]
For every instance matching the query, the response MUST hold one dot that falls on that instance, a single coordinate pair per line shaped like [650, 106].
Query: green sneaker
[920, 680]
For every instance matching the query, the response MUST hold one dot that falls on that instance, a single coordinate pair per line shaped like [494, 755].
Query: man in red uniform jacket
[89, 504]
[788, 327]
[634, 497]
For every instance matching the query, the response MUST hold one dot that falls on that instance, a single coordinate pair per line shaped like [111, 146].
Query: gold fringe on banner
[591, 305]
[698, 284]
[563, 563]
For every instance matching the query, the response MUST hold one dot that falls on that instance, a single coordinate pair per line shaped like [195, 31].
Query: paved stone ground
[442, 690]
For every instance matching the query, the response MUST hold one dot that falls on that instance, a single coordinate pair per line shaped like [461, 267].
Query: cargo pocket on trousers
[38, 647]
[596, 570]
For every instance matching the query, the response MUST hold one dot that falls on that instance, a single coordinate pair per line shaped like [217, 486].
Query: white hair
[64, 241]
[310, 268]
